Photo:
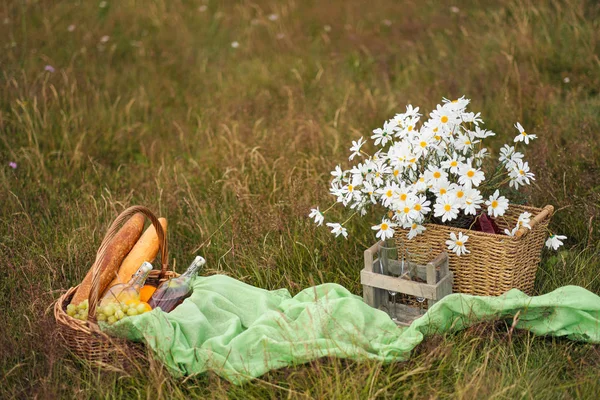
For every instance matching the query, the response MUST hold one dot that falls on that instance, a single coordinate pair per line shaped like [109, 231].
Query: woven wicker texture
[84, 338]
[496, 263]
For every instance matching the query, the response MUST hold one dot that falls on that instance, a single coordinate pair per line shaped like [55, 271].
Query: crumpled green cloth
[240, 331]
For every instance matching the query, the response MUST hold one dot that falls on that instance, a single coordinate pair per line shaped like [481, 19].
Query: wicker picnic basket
[85, 338]
[496, 263]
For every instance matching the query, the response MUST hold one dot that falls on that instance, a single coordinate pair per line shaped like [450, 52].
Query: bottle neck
[139, 278]
[194, 267]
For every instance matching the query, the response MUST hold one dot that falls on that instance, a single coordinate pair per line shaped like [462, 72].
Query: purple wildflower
[49, 68]
[12, 164]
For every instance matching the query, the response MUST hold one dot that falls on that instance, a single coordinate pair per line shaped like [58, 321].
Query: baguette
[145, 249]
[117, 249]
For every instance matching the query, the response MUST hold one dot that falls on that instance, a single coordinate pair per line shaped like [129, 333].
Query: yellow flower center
[403, 197]
[377, 174]
[524, 133]
[410, 128]
[443, 191]
[396, 172]
[437, 175]
[406, 210]
[437, 137]
[389, 193]
[435, 130]
[471, 173]
[444, 119]
[467, 142]
[417, 207]
[447, 207]
[453, 163]
[521, 172]
[413, 226]
[494, 204]
[423, 144]
[421, 179]
[459, 243]
[384, 227]
[412, 160]
[350, 188]
[469, 201]
[460, 194]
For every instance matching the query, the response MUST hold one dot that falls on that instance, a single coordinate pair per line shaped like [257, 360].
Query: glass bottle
[171, 293]
[128, 292]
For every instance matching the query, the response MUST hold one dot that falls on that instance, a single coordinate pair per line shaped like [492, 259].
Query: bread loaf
[118, 248]
[144, 250]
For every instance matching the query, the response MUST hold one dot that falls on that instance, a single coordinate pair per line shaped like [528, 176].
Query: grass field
[148, 102]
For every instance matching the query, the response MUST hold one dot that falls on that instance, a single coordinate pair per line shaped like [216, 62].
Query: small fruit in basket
[79, 311]
[146, 292]
[116, 311]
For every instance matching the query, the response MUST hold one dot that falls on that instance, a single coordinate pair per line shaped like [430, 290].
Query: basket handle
[545, 213]
[112, 231]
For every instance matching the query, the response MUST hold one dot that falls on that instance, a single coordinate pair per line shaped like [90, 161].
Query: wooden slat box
[436, 274]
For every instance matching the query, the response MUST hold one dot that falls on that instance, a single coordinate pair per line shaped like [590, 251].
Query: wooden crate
[436, 274]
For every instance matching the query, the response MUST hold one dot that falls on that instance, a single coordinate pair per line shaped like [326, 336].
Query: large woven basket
[85, 338]
[496, 263]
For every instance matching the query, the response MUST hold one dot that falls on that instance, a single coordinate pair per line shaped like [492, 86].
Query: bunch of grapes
[116, 311]
[79, 311]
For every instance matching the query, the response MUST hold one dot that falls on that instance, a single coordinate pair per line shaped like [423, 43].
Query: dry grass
[234, 146]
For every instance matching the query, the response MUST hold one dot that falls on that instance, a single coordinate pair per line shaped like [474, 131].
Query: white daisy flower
[457, 104]
[457, 244]
[446, 207]
[384, 229]
[453, 163]
[382, 136]
[415, 229]
[472, 202]
[524, 220]
[338, 229]
[317, 215]
[511, 233]
[388, 193]
[497, 205]
[469, 176]
[482, 133]
[464, 142]
[444, 117]
[441, 187]
[434, 174]
[421, 205]
[508, 155]
[523, 136]
[520, 174]
[337, 173]
[369, 190]
[555, 241]
[355, 149]
[458, 192]
[472, 117]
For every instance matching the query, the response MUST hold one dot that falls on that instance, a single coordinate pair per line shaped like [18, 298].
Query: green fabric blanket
[240, 331]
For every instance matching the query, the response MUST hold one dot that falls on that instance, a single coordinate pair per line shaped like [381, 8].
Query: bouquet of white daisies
[438, 171]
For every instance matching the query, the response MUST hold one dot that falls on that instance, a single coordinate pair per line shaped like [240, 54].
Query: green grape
[84, 314]
[124, 308]
[109, 310]
[71, 308]
[111, 320]
[141, 308]
[101, 317]
[119, 314]
[132, 311]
